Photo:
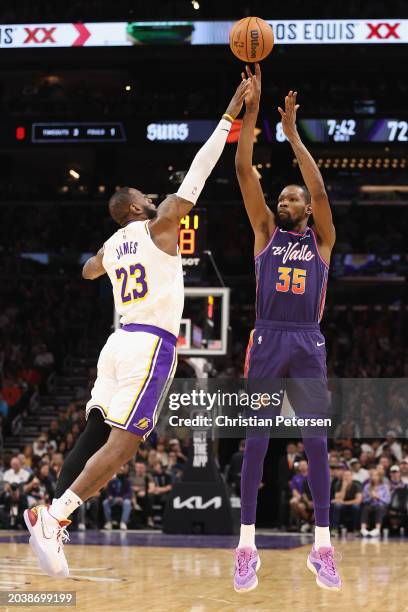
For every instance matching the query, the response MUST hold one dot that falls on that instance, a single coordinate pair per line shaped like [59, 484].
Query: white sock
[322, 537]
[62, 507]
[247, 537]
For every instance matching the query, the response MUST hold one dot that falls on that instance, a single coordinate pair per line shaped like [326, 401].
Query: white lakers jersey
[147, 283]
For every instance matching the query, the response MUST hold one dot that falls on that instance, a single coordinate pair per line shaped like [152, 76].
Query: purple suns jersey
[291, 278]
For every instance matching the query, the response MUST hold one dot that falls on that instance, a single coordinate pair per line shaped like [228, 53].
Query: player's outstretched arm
[165, 227]
[322, 214]
[93, 268]
[261, 217]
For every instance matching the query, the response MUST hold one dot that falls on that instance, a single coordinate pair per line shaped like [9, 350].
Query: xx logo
[40, 35]
[377, 30]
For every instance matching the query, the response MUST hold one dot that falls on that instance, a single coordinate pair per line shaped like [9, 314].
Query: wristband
[228, 117]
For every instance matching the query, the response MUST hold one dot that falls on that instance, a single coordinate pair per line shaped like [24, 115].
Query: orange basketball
[251, 39]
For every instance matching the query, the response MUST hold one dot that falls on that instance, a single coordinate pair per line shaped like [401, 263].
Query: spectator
[162, 484]
[300, 449]
[28, 454]
[382, 467]
[44, 358]
[162, 456]
[346, 456]
[392, 444]
[54, 433]
[142, 486]
[40, 446]
[396, 481]
[119, 493]
[174, 445]
[11, 392]
[56, 464]
[90, 510]
[16, 474]
[347, 501]
[64, 422]
[301, 506]
[30, 375]
[359, 473]
[4, 409]
[23, 461]
[376, 497]
[69, 442]
[36, 492]
[404, 471]
[366, 459]
[151, 459]
[51, 447]
[174, 468]
[142, 453]
[14, 503]
[46, 477]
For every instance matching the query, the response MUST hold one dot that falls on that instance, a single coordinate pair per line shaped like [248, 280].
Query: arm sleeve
[204, 162]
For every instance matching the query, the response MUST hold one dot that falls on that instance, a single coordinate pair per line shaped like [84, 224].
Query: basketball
[251, 39]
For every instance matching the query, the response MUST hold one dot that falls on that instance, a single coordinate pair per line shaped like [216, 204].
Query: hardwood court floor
[153, 579]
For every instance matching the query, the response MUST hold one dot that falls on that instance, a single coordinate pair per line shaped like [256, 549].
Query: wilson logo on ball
[254, 43]
[251, 39]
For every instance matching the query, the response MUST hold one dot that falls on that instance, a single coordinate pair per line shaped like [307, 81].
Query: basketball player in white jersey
[138, 361]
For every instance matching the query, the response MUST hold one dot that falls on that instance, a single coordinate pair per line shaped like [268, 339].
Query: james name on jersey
[127, 248]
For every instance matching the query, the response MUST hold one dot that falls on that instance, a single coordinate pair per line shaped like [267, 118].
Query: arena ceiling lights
[119, 34]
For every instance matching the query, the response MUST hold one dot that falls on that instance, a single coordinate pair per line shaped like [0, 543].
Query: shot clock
[192, 243]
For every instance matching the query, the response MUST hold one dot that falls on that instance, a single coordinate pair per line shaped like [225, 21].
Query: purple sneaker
[247, 563]
[321, 563]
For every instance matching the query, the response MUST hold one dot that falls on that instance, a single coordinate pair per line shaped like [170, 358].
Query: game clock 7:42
[192, 243]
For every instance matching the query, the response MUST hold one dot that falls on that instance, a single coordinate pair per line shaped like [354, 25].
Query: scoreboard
[269, 131]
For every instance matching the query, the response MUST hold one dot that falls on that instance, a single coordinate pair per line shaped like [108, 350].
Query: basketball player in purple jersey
[291, 267]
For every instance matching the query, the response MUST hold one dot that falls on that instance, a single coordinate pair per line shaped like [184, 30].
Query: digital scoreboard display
[349, 130]
[268, 131]
[322, 130]
[192, 243]
[77, 132]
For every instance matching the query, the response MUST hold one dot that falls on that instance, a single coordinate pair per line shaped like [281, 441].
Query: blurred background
[78, 121]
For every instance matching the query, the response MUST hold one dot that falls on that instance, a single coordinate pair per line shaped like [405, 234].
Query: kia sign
[196, 502]
[112, 34]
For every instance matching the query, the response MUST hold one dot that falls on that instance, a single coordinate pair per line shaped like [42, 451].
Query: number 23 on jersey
[137, 274]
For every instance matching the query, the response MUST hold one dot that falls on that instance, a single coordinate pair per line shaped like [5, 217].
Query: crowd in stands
[78, 228]
[369, 487]
[138, 490]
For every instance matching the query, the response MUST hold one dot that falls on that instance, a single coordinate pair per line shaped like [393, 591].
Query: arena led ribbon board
[122, 33]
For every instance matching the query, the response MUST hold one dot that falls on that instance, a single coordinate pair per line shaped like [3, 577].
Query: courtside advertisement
[113, 34]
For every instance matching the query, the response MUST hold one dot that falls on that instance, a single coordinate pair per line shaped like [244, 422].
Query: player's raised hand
[235, 106]
[289, 115]
[254, 93]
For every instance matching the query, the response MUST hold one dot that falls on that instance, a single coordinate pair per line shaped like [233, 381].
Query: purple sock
[318, 478]
[251, 474]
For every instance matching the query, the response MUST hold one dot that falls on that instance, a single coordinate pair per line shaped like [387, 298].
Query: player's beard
[286, 223]
[151, 213]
